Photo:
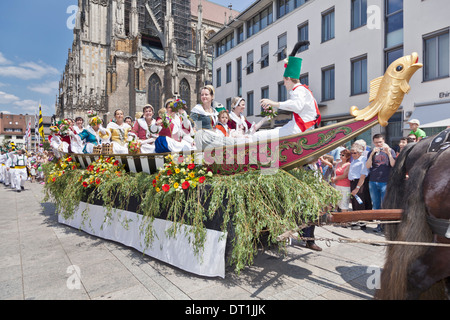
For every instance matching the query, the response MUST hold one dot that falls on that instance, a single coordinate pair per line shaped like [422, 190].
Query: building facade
[13, 128]
[128, 53]
[351, 43]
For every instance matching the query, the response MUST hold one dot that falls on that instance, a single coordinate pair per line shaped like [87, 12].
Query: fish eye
[399, 68]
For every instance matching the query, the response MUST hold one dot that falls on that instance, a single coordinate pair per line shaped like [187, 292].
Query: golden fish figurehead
[387, 92]
[405, 67]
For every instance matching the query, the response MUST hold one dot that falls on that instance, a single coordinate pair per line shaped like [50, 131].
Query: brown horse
[418, 272]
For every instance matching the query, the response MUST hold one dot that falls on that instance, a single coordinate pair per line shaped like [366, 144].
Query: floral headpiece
[63, 126]
[91, 114]
[178, 104]
[93, 121]
[54, 129]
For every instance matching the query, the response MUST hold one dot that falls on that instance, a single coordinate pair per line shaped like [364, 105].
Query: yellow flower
[176, 185]
[177, 170]
[158, 190]
[191, 175]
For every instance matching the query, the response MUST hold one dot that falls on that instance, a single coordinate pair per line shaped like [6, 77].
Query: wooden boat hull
[285, 153]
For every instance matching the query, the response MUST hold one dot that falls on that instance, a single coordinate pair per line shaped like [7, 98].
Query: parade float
[202, 211]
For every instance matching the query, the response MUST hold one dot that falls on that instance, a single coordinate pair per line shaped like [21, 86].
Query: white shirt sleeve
[301, 102]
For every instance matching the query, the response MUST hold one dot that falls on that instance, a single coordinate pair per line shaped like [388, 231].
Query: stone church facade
[129, 53]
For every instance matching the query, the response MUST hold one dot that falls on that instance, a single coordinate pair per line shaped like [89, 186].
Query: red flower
[85, 184]
[98, 170]
[185, 185]
[74, 167]
[154, 182]
[116, 163]
[202, 179]
[97, 181]
[166, 188]
[54, 179]
[69, 159]
[169, 172]
[191, 166]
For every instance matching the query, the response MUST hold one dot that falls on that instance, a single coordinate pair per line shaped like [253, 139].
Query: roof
[212, 11]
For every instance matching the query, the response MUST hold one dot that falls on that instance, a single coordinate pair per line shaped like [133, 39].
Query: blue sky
[34, 42]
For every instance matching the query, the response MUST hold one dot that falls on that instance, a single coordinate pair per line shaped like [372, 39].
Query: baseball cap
[414, 121]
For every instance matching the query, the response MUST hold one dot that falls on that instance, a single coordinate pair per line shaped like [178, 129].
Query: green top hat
[293, 68]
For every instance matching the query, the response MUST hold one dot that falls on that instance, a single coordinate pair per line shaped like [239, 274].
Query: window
[359, 13]
[304, 79]
[154, 92]
[264, 61]
[328, 25]
[250, 101]
[282, 92]
[286, 6]
[436, 58]
[225, 44]
[264, 94]
[239, 76]
[218, 77]
[359, 76]
[229, 72]
[303, 35]
[260, 21]
[282, 46]
[394, 23]
[228, 104]
[185, 92]
[328, 83]
[249, 66]
[240, 34]
[392, 55]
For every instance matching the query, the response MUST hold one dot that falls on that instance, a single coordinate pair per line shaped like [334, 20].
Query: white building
[351, 43]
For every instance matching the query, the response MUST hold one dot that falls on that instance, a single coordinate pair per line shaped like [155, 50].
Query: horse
[418, 184]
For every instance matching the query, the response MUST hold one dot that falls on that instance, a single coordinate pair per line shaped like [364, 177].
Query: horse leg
[429, 269]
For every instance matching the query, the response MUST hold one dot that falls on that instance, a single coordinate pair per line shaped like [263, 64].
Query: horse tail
[413, 228]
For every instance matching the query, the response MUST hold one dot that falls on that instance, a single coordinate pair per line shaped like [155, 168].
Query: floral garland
[62, 166]
[134, 147]
[101, 170]
[180, 174]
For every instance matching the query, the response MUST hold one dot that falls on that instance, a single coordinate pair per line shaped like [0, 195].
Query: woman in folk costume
[118, 131]
[60, 139]
[90, 136]
[174, 129]
[301, 101]
[239, 122]
[205, 115]
[141, 130]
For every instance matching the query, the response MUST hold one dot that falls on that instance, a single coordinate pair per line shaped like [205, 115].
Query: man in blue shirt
[379, 161]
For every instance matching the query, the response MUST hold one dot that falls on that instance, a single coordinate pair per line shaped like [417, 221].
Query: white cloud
[3, 60]
[28, 70]
[6, 98]
[49, 87]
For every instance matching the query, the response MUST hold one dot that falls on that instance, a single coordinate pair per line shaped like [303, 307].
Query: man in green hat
[301, 101]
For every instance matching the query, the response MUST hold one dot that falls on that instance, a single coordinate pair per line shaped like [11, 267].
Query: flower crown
[178, 104]
[93, 121]
[92, 114]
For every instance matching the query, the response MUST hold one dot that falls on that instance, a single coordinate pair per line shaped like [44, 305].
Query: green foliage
[251, 205]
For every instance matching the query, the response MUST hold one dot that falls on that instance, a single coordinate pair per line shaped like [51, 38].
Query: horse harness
[439, 144]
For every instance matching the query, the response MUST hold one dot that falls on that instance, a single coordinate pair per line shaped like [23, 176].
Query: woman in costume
[90, 136]
[205, 115]
[174, 128]
[141, 130]
[118, 131]
[239, 122]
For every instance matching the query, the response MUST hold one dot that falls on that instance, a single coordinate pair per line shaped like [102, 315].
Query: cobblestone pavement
[42, 259]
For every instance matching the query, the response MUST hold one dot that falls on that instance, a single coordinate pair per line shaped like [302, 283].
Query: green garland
[252, 204]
